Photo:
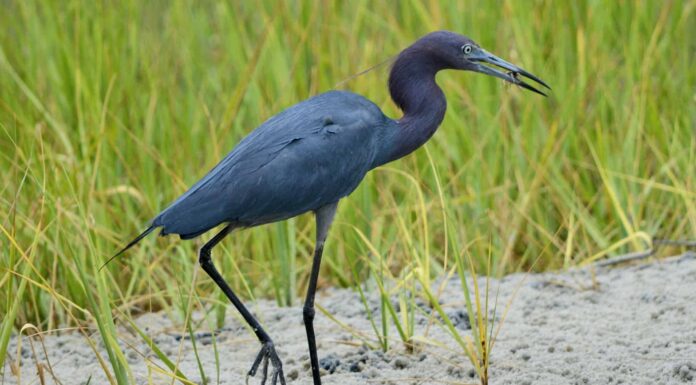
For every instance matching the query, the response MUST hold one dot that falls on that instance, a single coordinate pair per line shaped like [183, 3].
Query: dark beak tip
[542, 93]
[526, 86]
[512, 74]
[536, 79]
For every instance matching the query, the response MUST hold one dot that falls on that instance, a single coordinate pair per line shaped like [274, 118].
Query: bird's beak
[482, 56]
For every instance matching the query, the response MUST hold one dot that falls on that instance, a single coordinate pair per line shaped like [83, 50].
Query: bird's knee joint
[204, 257]
[308, 313]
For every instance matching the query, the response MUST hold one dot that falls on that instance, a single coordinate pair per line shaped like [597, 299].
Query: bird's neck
[413, 88]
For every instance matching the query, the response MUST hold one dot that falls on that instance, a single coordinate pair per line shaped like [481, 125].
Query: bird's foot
[267, 354]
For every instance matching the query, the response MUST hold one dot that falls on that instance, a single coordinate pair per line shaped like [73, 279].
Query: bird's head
[449, 50]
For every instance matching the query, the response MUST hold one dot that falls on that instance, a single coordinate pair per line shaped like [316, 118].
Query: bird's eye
[466, 49]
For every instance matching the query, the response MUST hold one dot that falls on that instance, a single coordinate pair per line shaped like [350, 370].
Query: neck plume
[412, 87]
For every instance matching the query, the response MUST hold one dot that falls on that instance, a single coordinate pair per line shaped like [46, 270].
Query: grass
[108, 113]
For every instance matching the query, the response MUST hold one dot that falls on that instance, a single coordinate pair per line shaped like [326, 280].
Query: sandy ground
[631, 325]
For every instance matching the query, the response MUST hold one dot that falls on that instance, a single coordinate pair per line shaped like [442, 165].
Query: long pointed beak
[483, 56]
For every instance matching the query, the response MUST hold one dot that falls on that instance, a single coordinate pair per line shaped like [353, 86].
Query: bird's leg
[324, 217]
[267, 352]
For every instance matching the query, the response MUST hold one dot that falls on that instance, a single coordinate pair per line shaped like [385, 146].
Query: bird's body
[315, 153]
[310, 155]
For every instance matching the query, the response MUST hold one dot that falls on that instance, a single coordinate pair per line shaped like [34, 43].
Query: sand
[629, 325]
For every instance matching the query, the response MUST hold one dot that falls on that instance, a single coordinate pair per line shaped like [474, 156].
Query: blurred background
[108, 111]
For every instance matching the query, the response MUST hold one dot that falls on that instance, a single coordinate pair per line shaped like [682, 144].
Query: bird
[315, 153]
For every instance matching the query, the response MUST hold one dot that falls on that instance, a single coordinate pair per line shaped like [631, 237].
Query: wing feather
[311, 154]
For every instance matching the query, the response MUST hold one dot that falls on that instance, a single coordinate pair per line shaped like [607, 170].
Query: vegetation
[108, 112]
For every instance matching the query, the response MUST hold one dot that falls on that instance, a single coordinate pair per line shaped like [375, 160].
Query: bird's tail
[129, 245]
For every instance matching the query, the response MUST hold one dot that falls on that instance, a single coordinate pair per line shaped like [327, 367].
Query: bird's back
[307, 156]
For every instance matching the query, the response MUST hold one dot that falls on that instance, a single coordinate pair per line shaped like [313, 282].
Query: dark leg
[324, 217]
[267, 350]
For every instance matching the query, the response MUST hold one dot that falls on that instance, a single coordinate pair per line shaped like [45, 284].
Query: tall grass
[109, 111]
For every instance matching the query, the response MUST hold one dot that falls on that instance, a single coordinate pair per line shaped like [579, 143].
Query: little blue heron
[316, 152]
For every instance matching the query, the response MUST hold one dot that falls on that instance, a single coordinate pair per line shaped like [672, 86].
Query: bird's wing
[290, 163]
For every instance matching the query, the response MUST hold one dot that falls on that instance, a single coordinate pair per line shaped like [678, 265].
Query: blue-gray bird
[313, 154]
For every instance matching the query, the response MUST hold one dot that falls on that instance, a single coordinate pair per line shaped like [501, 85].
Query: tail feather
[129, 245]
